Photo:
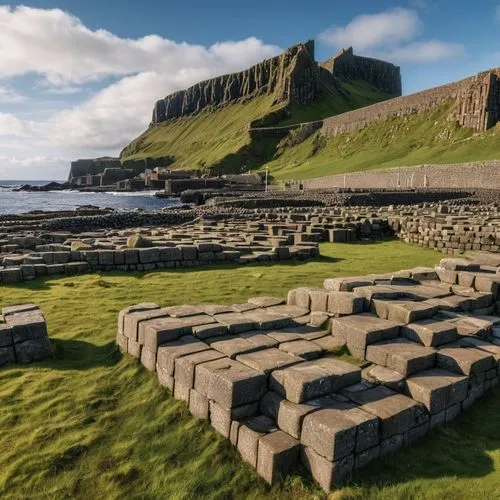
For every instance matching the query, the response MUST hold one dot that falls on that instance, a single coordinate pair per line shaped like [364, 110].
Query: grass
[92, 423]
[219, 140]
[399, 141]
[205, 139]
[351, 95]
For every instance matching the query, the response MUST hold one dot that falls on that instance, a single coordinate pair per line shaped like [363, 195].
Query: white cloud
[36, 167]
[66, 55]
[424, 52]
[62, 90]
[9, 95]
[11, 125]
[370, 31]
[55, 44]
[391, 35]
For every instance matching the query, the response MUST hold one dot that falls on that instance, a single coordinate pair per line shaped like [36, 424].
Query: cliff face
[291, 76]
[383, 75]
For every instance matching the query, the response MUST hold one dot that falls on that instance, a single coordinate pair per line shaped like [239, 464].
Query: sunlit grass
[92, 423]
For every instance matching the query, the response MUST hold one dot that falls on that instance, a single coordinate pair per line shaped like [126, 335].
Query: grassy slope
[210, 138]
[396, 142]
[93, 424]
[352, 95]
[203, 139]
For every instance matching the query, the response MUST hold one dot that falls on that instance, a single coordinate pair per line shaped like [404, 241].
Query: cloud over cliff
[64, 54]
[394, 35]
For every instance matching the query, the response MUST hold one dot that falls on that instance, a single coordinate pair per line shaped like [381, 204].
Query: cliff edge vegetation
[207, 126]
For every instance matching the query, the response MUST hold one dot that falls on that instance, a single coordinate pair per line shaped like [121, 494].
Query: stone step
[401, 355]
[360, 330]
[313, 379]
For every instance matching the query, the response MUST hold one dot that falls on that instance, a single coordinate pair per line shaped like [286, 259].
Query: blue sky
[79, 77]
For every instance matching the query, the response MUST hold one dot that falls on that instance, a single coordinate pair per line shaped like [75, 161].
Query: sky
[79, 78]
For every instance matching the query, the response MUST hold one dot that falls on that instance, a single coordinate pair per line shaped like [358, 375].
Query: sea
[16, 202]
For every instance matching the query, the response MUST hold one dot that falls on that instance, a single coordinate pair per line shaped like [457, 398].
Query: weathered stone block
[430, 332]
[268, 360]
[277, 454]
[326, 473]
[437, 389]
[312, 379]
[344, 303]
[198, 405]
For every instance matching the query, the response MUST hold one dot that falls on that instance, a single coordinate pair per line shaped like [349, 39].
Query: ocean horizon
[18, 202]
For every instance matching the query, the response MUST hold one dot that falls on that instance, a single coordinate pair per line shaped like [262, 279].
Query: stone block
[268, 360]
[229, 382]
[363, 458]
[360, 330]
[277, 454]
[106, 257]
[344, 303]
[430, 332]
[222, 418]
[302, 348]
[401, 355]
[396, 412]
[198, 405]
[326, 473]
[148, 358]
[391, 445]
[132, 320]
[266, 301]
[408, 311]
[259, 339]
[134, 348]
[7, 355]
[33, 350]
[235, 322]
[143, 306]
[149, 255]
[249, 435]
[312, 379]
[185, 366]
[234, 346]
[437, 389]
[164, 379]
[463, 360]
[168, 353]
[154, 332]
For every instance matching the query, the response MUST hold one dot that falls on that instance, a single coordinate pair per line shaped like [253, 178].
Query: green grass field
[92, 423]
[399, 141]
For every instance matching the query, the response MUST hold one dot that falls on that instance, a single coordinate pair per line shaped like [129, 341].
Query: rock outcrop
[346, 65]
[291, 75]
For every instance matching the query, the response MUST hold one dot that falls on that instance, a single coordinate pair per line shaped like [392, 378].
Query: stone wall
[485, 175]
[280, 381]
[477, 105]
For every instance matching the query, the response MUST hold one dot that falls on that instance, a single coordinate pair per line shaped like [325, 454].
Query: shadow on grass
[81, 355]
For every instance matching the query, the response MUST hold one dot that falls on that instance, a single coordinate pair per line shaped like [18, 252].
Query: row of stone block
[279, 404]
[23, 335]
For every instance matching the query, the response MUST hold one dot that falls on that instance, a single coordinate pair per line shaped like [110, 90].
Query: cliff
[348, 66]
[293, 77]
[475, 104]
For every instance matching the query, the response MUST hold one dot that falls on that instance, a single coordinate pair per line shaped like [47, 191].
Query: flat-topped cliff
[381, 74]
[292, 77]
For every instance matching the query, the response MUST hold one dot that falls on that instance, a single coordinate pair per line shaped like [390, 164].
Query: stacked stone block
[267, 374]
[23, 335]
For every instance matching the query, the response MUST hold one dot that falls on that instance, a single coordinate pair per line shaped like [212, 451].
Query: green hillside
[219, 140]
[400, 141]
